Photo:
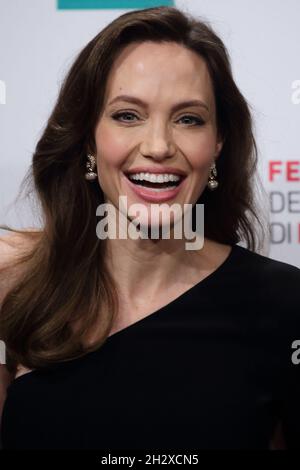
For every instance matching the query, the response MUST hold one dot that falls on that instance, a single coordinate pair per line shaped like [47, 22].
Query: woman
[139, 342]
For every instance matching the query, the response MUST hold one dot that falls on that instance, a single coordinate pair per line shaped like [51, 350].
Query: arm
[290, 337]
[5, 379]
[9, 249]
[291, 410]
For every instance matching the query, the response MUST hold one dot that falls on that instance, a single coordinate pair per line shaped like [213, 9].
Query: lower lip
[151, 196]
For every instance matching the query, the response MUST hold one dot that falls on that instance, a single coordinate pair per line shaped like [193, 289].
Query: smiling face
[154, 132]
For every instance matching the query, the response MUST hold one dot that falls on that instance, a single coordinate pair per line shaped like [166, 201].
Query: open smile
[155, 187]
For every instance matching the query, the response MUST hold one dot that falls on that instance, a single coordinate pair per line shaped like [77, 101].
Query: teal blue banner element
[110, 4]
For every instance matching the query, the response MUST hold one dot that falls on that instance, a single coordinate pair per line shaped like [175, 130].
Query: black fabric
[211, 370]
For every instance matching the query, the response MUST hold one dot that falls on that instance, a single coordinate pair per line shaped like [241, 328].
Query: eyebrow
[175, 107]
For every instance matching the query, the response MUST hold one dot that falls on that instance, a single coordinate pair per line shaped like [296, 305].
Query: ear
[219, 146]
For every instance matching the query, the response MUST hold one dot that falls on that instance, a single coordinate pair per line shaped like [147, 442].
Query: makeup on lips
[155, 185]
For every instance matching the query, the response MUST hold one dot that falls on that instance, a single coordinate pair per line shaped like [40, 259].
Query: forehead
[159, 71]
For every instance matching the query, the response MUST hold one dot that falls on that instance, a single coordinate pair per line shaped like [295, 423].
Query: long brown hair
[66, 280]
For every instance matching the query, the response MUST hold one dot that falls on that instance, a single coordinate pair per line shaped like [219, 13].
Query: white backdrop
[38, 43]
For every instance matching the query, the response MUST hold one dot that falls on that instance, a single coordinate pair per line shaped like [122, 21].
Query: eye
[198, 121]
[124, 113]
[117, 116]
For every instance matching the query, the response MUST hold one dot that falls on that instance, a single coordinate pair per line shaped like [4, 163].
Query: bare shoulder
[14, 244]
[213, 253]
[220, 249]
[12, 247]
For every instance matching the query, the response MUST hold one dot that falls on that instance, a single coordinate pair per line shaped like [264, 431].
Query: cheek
[200, 151]
[111, 147]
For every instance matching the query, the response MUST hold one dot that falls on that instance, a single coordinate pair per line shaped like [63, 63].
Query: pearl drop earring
[212, 182]
[91, 165]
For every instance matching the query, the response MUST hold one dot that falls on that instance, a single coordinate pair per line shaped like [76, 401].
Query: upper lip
[156, 170]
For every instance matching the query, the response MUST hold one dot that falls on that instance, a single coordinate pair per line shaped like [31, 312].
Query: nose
[158, 144]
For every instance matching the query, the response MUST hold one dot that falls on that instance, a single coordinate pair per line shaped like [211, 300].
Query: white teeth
[154, 178]
[159, 190]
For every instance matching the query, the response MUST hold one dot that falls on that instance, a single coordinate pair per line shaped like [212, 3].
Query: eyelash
[199, 122]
